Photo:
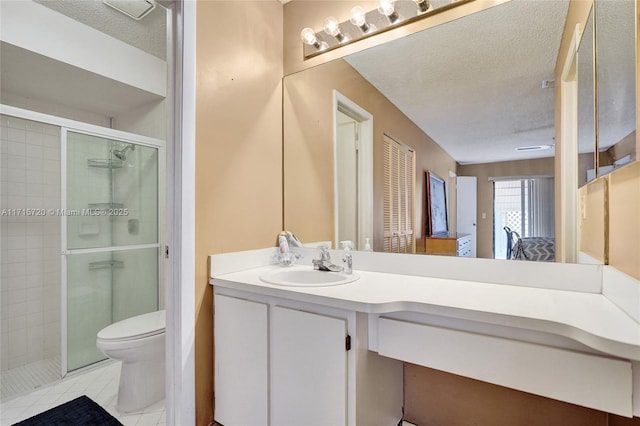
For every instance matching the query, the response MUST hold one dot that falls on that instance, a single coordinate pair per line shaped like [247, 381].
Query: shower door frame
[67, 125]
[117, 136]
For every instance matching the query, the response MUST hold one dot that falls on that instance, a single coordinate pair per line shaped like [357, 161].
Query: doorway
[353, 173]
[525, 206]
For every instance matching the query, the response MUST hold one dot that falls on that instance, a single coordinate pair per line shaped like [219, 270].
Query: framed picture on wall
[436, 208]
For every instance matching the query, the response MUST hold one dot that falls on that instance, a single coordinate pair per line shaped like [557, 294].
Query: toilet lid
[135, 327]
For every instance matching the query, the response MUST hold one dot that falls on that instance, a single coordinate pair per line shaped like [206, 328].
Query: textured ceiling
[475, 84]
[148, 34]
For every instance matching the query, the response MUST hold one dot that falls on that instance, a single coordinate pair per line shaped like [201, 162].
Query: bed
[537, 249]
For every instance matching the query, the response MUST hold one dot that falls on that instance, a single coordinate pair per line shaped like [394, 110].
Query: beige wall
[593, 208]
[308, 149]
[624, 220]
[238, 150]
[538, 167]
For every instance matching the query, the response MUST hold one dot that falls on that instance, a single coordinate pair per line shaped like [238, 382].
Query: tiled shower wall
[29, 245]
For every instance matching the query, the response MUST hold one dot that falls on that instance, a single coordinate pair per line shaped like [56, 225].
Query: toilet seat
[138, 327]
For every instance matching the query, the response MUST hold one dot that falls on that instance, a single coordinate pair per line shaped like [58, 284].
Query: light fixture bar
[391, 14]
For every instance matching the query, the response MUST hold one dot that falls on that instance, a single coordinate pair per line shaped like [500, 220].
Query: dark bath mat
[81, 411]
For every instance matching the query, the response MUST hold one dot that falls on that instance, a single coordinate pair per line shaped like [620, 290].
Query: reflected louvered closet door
[398, 193]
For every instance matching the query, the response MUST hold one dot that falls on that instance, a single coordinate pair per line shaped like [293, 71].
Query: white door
[353, 149]
[308, 369]
[241, 369]
[467, 206]
[347, 175]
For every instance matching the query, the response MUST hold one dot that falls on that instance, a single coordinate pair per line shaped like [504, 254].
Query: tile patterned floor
[99, 384]
[27, 378]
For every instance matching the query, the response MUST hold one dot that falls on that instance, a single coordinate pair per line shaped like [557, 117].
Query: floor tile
[130, 420]
[100, 384]
[149, 419]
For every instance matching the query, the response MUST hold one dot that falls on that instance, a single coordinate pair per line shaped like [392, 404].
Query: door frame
[566, 187]
[180, 224]
[365, 167]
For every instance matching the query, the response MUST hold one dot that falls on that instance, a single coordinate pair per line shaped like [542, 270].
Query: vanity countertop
[587, 317]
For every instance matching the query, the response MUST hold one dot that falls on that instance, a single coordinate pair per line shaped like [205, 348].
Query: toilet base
[141, 385]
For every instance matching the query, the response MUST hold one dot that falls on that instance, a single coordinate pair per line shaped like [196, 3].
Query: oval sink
[305, 276]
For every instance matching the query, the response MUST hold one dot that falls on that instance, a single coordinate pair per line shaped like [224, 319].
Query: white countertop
[587, 317]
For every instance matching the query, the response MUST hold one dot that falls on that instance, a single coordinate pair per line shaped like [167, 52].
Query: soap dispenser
[283, 246]
[347, 260]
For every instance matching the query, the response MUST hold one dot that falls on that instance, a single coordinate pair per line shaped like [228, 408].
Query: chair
[509, 241]
[514, 251]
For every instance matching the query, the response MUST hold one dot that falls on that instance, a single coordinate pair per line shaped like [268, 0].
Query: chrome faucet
[324, 263]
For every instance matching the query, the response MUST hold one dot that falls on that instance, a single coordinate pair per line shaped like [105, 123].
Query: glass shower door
[111, 231]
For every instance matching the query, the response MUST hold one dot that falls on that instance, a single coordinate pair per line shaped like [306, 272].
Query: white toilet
[139, 343]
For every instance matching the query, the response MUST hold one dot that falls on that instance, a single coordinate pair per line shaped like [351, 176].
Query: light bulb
[423, 5]
[357, 18]
[331, 26]
[308, 36]
[387, 8]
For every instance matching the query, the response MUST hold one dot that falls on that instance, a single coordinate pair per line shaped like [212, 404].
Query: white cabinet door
[241, 361]
[308, 369]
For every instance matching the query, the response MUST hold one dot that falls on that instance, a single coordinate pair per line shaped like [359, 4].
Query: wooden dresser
[449, 245]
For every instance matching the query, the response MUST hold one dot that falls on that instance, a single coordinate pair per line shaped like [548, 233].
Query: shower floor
[20, 380]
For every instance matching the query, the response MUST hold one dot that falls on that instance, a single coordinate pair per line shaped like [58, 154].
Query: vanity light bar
[390, 14]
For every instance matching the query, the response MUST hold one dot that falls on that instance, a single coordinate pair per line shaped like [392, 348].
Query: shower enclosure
[110, 238]
[80, 241]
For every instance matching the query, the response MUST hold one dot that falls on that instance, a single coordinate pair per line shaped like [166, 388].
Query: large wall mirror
[607, 94]
[473, 97]
[615, 41]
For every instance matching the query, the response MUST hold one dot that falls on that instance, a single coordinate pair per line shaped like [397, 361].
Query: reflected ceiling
[492, 101]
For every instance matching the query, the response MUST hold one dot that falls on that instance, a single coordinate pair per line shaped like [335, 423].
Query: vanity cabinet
[449, 245]
[281, 362]
[241, 361]
[308, 368]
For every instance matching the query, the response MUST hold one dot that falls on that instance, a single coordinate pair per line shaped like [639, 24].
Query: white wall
[30, 246]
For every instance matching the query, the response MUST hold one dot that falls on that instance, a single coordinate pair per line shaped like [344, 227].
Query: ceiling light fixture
[362, 24]
[547, 84]
[136, 9]
[534, 148]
